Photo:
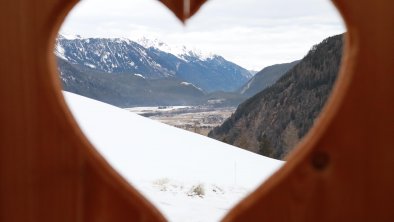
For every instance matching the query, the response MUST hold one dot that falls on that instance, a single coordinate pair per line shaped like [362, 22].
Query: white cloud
[252, 33]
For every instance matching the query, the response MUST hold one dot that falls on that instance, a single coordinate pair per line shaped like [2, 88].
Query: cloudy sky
[251, 33]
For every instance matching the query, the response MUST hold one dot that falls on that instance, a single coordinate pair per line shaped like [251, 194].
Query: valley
[198, 92]
[197, 119]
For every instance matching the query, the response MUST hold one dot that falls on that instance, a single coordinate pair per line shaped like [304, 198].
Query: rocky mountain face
[265, 78]
[152, 60]
[273, 121]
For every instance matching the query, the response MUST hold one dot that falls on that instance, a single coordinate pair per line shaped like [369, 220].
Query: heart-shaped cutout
[116, 157]
[47, 153]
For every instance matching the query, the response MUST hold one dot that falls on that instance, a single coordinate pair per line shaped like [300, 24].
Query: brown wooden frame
[342, 171]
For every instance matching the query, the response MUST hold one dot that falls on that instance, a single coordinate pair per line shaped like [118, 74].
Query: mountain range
[148, 72]
[152, 60]
[274, 120]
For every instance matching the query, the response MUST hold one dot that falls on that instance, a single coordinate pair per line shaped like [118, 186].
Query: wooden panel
[48, 171]
[344, 168]
[183, 9]
[343, 171]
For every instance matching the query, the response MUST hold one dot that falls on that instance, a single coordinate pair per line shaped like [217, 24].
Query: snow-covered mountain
[181, 52]
[152, 59]
[188, 177]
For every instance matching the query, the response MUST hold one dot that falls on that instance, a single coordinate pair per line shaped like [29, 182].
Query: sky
[251, 33]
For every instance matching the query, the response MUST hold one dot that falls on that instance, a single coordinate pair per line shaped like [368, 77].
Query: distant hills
[127, 90]
[272, 122]
[265, 78]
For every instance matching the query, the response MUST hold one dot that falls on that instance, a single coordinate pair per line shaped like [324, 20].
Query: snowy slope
[187, 176]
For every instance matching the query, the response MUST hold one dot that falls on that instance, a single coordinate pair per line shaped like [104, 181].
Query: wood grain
[344, 168]
[48, 170]
[183, 9]
[342, 171]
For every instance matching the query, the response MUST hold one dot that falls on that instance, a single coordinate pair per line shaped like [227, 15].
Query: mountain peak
[69, 36]
[179, 51]
[155, 43]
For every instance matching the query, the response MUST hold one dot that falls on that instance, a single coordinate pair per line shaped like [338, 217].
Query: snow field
[188, 177]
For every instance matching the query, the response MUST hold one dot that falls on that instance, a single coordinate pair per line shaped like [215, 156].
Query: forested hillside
[272, 122]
